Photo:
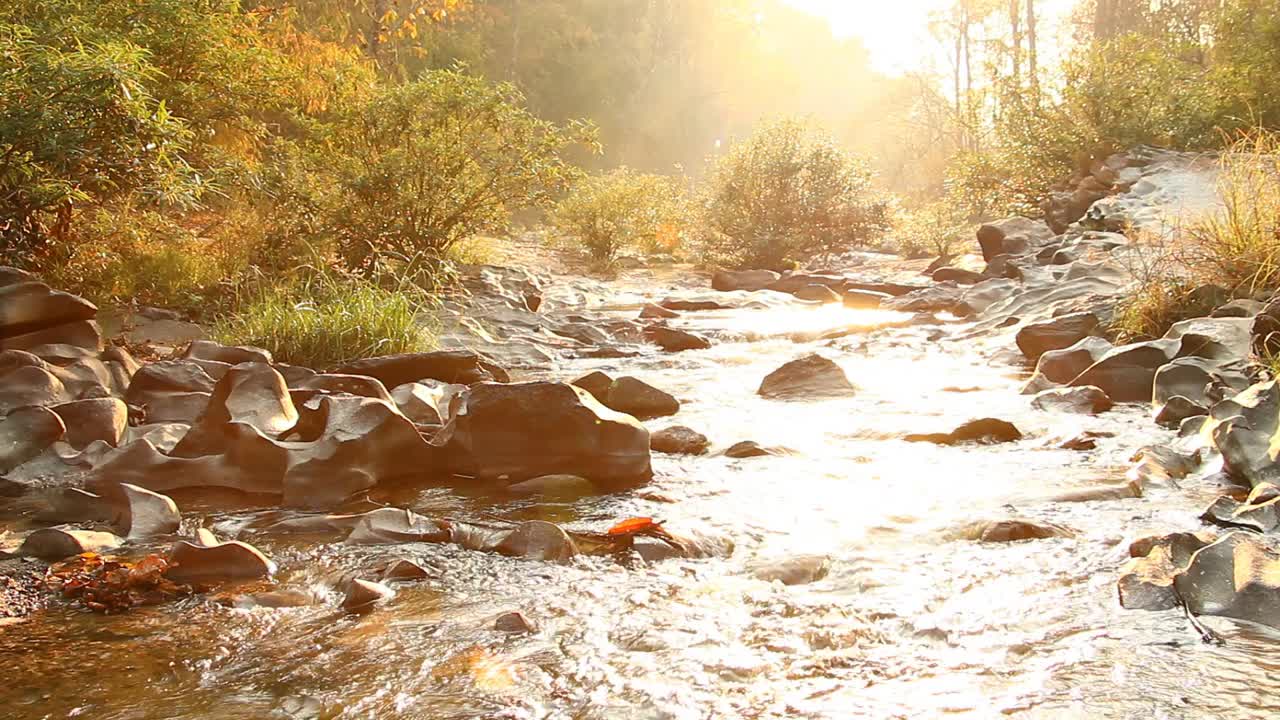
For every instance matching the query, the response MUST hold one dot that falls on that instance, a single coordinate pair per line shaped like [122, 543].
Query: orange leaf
[631, 526]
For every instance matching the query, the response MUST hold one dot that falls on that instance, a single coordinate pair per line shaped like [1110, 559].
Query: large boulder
[1060, 332]
[1246, 433]
[143, 513]
[220, 562]
[30, 306]
[792, 284]
[462, 367]
[1146, 582]
[361, 385]
[31, 385]
[730, 280]
[1127, 373]
[72, 339]
[864, 299]
[425, 402]
[231, 355]
[1058, 367]
[818, 294]
[25, 433]
[1238, 576]
[104, 419]
[1011, 236]
[640, 399]
[525, 430]
[806, 377]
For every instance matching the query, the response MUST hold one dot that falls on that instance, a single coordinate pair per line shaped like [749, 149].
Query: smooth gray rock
[538, 540]
[811, 376]
[104, 419]
[25, 433]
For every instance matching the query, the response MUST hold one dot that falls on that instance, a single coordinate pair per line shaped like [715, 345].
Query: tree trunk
[1015, 30]
[1032, 71]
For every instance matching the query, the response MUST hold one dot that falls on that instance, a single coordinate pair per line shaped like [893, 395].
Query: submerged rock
[672, 340]
[807, 377]
[515, 623]
[538, 540]
[750, 449]
[364, 595]
[564, 486]
[679, 440]
[1090, 400]
[797, 570]
[986, 431]
[1012, 530]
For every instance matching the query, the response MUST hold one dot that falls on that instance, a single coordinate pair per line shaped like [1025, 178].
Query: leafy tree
[786, 195]
[428, 163]
[623, 208]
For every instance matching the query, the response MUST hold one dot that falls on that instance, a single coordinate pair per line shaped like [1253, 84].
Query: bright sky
[896, 32]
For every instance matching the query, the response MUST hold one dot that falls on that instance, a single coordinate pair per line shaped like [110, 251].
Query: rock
[104, 419]
[394, 525]
[640, 399]
[205, 538]
[729, 280]
[797, 570]
[566, 486]
[57, 543]
[515, 623]
[461, 367]
[672, 340]
[1057, 367]
[28, 306]
[1243, 308]
[1238, 576]
[987, 431]
[144, 513]
[539, 540]
[73, 339]
[205, 565]
[1061, 332]
[690, 544]
[1247, 431]
[597, 383]
[957, 275]
[651, 311]
[25, 433]
[73, 505]
[807, 377]
[363, 595]
[208, 350]
[1260, 512]
[401, 569]
[1177, 409]
[1146, 582]
[793, 283]
[1127, 373]
[692, 305]
[1012, 530]
[1264, 333]
[31, 386]
[750, 449]
[527, 430]
[425, 402]
[864, 299]
[937, 299]
[679, 440]
[818, 293]
[167, 377]
[1087, 399]
[250, 394]
[361, 385]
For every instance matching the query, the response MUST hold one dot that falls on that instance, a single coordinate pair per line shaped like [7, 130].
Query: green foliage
[76, 125]
[328, 318]
[431, 162]
[787, 195]
[934, 230]
[624, 209]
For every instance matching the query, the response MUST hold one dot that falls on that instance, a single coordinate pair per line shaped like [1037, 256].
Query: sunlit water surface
[909, 623]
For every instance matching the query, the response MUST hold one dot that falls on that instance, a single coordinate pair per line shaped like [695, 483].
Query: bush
[428, 163]
[330, 318]
[787, 195]
[624, 209]
[935, 230]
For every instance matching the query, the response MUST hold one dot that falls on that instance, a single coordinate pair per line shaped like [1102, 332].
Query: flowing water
[911, 621]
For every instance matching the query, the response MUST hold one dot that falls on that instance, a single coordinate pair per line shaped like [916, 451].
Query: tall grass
[327, 318]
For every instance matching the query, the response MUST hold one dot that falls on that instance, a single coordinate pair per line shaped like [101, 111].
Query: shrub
[431, 162]
[329, 318]
[620, 209]
[787, 195]
[935, 230]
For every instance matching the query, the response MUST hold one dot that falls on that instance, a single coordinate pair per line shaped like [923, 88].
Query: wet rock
[1087, 399]
[987, 431]
[144, 513]
[672, 340]
[205, 538]
[1058, 333]
[657, 312]
[692, 305]
[864, 299]
[1012, 530]
[364, 595]
[201, 564]
[565, 486]
[394, 525]
[597, 383]
[807, 377]
[1161, 464]
[639, 399]
[1260, 512]
[515, 623]
[25, 433]
[730, 280]
[795, 282]
[937, 299]
[1238, 576]
[1190, 378]
[29, 306]
[750, 449]
[957, 275]
[104, 419]
[1247, 432]
[461, 367]
[1146, 581]
[527, 430]
[538, 540]
[1177, 409]
[401, 569]
[689, 544]
[1058, 367]
[679, 440]
[361, 385]
[208, 350]
[58, 543]
[425, 402]
[818, 293]
[797, 570]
